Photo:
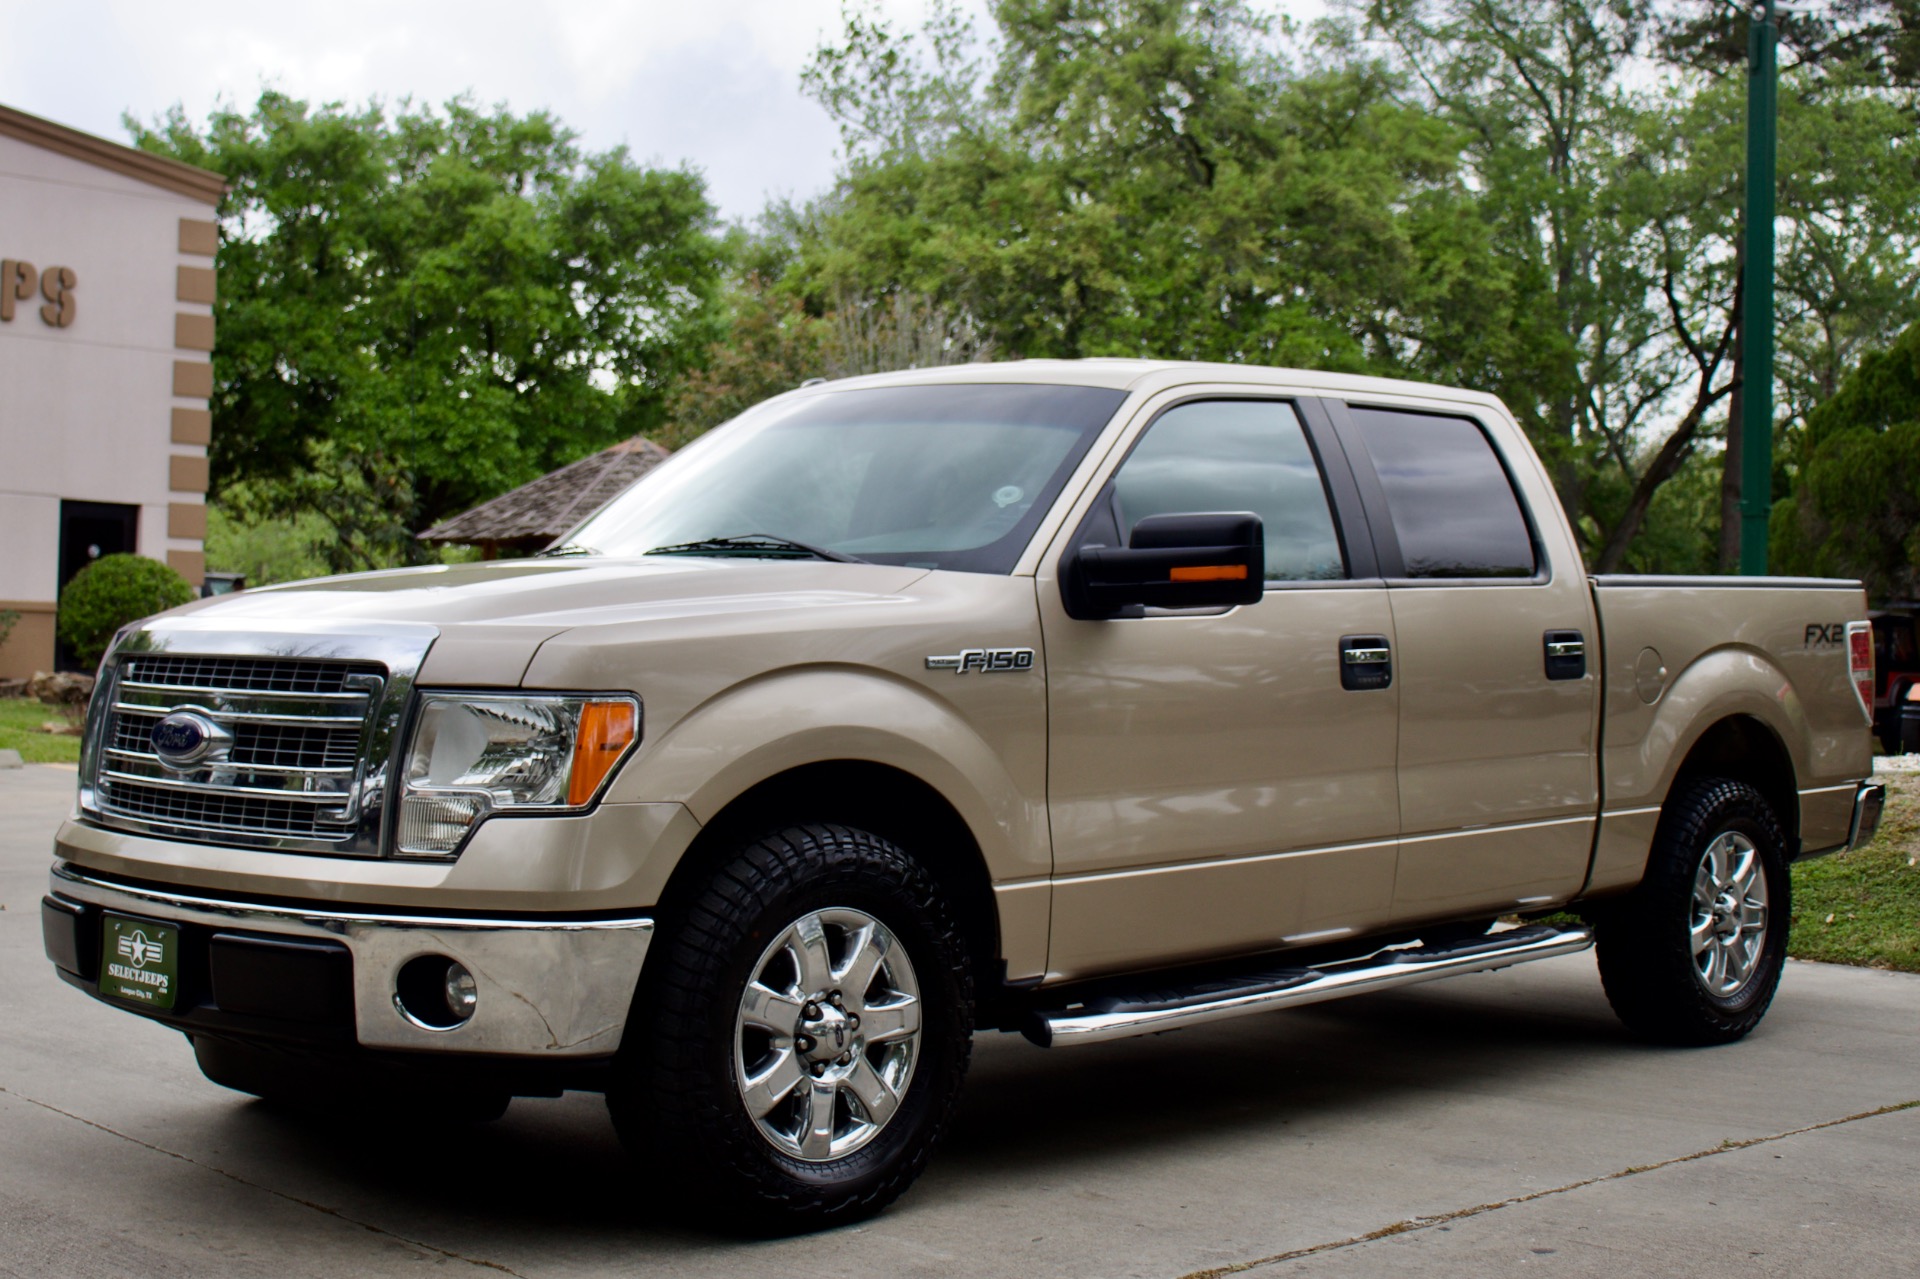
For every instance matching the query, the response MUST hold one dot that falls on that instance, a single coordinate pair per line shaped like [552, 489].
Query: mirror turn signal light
[1208, 573]
[606, 730]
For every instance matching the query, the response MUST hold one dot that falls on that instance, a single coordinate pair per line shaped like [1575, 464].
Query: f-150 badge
[988, 661]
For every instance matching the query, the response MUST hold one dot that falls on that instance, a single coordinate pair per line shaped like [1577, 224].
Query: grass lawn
[20, 721]
[1863, 907]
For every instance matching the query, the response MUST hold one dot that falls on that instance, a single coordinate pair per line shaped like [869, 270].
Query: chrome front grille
[295, 766]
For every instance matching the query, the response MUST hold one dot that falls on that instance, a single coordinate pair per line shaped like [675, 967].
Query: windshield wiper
[756, 546]
[571, 548]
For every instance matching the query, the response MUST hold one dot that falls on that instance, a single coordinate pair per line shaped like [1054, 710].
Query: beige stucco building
[106, 330]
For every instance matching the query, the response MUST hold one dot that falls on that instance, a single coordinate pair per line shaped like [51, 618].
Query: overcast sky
[710, 83]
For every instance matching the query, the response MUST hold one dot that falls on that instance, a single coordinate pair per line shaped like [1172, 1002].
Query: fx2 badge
[987, 661]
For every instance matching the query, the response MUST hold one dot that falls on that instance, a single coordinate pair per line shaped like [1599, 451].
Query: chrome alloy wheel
[827, 1034]
[1729, 926]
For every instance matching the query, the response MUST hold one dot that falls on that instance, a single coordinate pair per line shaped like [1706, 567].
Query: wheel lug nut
[804, 1044]
[853, 1020]
[819, 1068]
[811, 1012]
[844, 1058]
[834, 999]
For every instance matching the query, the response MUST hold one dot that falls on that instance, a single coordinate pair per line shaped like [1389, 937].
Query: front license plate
[140, 961]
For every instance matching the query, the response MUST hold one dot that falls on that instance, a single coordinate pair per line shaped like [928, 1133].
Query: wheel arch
[1745, 748]
[879, 798]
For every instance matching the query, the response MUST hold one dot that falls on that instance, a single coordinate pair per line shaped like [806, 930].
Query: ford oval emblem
[186, 739]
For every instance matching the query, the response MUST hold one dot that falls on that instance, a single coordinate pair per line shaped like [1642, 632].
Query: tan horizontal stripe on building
[194, 283]
[192, 426]
[193, 332]
[199, 237]
[28, 606]
[187, 474]
[191, 565]
[193, 379]
[187, 520]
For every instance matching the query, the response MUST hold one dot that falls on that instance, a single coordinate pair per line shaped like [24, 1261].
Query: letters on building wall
[19, 281]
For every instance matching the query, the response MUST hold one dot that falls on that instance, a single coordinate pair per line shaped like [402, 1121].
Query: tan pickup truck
[1085, 699]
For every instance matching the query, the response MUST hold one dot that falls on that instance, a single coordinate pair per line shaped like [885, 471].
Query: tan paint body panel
[1732, 650]
[1311, 814]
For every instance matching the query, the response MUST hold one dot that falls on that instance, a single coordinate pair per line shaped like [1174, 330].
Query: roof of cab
[1154, 375]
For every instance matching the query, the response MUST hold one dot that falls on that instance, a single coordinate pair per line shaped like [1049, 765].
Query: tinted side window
[1454, 509]
[1237, 455]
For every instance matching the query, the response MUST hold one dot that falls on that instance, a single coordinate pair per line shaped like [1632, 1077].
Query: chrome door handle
[1366, 663]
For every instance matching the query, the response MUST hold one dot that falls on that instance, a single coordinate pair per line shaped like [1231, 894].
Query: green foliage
[1863, 907]
[9, 618]
[1146, 177]
[1856, 511]
[263, 548]
[419, 309]
[109, 593]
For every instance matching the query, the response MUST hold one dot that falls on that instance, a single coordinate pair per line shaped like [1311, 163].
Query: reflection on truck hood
[555, 595]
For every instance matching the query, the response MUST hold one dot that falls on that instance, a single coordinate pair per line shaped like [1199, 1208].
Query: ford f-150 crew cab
[1085, 699]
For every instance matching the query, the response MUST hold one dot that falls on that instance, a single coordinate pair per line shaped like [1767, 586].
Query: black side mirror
[1172, 561]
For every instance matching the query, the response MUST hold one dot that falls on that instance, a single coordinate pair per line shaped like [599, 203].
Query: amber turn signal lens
[1209, 573]
[606, 729]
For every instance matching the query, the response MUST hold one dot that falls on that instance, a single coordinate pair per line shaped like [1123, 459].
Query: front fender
[783, 720]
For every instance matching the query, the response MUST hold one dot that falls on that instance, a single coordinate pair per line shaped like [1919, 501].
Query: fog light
[435, 992]
[463, 993]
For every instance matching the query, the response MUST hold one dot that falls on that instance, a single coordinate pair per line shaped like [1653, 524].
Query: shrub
[109, 593]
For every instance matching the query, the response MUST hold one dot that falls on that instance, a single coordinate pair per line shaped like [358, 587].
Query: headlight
[476, 754]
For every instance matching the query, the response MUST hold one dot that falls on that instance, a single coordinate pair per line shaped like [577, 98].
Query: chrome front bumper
[548, 988]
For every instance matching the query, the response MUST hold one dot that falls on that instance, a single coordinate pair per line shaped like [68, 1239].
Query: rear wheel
[802, 1037]
[1693, 956]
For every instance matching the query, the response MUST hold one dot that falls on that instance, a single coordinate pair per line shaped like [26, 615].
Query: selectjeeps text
[1085, 699]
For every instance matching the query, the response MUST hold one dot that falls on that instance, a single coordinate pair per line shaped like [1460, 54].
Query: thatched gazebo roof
[531, 517]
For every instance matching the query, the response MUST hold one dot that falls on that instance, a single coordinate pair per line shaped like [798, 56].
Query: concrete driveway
[1492, 1124]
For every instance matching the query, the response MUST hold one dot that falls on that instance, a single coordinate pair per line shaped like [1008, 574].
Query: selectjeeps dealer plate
[140, 961]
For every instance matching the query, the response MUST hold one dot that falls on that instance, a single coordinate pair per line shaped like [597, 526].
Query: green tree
[421, 308]
[1145, 177]
[1856, 511]
[1846, 269]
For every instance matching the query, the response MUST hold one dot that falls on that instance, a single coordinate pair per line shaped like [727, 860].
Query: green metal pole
[1756, 318]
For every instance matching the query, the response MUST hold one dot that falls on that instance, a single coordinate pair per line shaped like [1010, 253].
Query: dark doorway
[89, 530]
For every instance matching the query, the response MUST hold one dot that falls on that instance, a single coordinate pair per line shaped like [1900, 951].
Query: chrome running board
[1119, 1016]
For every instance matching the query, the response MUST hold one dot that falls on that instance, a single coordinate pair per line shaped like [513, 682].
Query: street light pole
[1756, 316]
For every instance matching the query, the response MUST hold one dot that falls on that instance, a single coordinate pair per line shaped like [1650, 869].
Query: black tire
[675, 1096]
[294, 1081]
[1654, 979]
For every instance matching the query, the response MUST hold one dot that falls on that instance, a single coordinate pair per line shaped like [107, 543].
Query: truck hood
[491, 618]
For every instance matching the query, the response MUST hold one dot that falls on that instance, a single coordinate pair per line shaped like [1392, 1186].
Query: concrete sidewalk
[1487, 1125]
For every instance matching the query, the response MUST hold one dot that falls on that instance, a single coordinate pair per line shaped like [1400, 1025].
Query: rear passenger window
[1454, 509]
[1236, 455]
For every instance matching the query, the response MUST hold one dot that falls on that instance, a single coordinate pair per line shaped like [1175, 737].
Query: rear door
[1213, 785]
[1496, 662]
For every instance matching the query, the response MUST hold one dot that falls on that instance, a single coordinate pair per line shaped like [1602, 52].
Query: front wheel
[801, 1043]
[1693, 956]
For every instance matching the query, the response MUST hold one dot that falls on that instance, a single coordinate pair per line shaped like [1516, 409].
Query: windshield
[952, 477]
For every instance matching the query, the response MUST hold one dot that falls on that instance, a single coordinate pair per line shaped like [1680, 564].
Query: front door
[1213, 787]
